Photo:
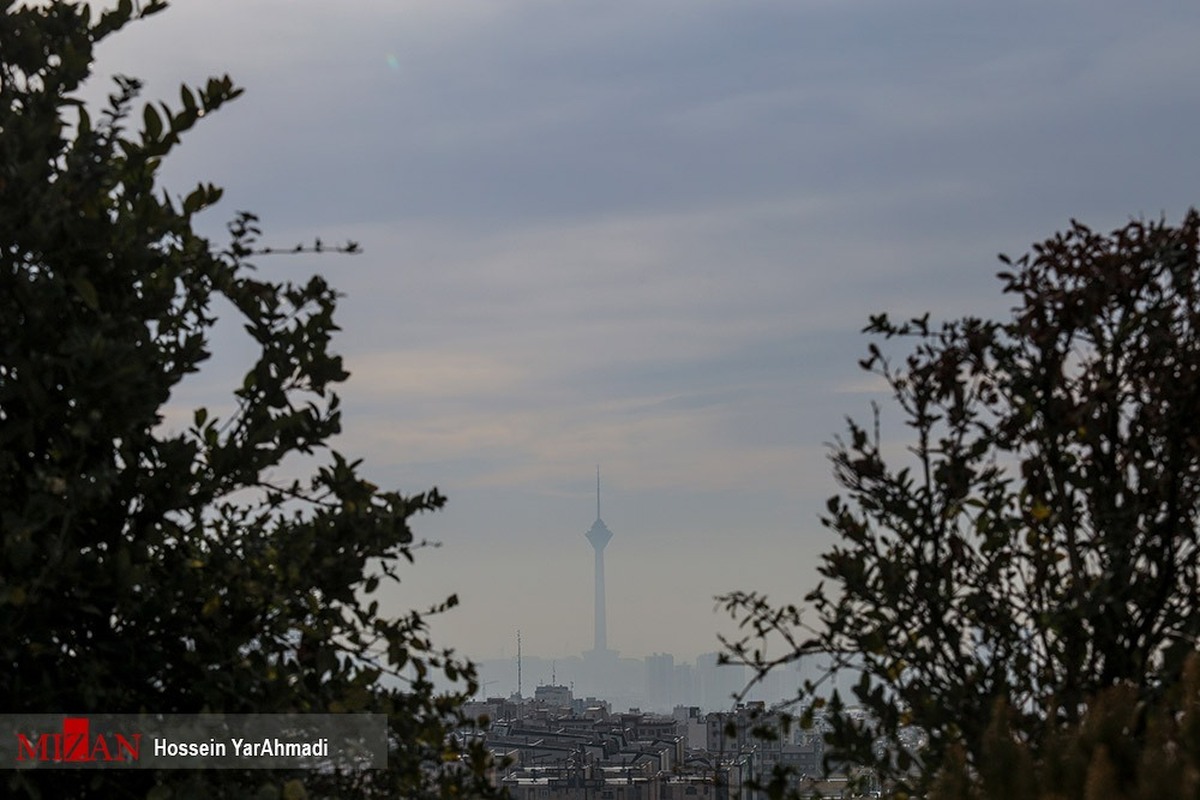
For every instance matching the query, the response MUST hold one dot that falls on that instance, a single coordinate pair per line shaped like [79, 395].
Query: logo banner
[328, 742]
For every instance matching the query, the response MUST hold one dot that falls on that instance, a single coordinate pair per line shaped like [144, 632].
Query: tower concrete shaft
[601, 623]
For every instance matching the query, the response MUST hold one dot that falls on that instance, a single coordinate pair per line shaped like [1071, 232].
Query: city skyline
[646, 235]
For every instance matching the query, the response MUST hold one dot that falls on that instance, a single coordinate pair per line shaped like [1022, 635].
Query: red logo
[75, 744]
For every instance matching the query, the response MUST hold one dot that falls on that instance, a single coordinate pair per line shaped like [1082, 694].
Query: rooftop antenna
[519, 695]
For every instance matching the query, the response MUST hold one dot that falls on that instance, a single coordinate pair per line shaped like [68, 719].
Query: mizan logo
[75, 744]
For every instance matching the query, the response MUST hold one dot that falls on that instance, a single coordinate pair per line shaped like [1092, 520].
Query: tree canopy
[158, 567]
[1035, 544]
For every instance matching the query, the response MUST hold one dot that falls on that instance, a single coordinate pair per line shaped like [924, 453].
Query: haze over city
[646, 236]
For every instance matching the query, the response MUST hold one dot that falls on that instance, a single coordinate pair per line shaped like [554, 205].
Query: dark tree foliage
[1125, 746]
[1037, 542]
[147, 568]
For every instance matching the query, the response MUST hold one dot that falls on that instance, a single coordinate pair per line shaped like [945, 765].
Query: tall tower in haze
[598, 535]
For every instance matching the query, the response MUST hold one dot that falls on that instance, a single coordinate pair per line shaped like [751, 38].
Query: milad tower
[598, 536]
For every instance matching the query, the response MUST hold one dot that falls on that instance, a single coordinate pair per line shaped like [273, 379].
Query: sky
[647, 236]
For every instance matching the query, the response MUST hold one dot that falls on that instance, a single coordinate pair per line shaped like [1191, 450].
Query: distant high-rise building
[598, 535]
[718, 683]
[552, 695]
[660, 676]
[683, 689]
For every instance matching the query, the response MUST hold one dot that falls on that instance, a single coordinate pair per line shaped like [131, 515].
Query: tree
[151, 569]
[1037, 542]
[1096, 759]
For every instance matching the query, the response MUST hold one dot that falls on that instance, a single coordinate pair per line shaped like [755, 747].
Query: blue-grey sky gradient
[647, 235]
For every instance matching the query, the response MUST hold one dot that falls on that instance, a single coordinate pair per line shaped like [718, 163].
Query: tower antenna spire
[597, 491]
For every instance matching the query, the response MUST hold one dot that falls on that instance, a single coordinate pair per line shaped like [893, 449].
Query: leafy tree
[1037, 542]
[1125, 746]
[151, 569]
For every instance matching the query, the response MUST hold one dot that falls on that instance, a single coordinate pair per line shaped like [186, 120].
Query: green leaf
[87, 292]
[294, 790]
[154, 125]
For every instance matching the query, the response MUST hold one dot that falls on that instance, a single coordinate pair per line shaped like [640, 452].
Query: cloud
[649, 233]
[424, 374]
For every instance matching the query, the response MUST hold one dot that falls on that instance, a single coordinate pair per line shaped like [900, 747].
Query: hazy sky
[646, 235]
